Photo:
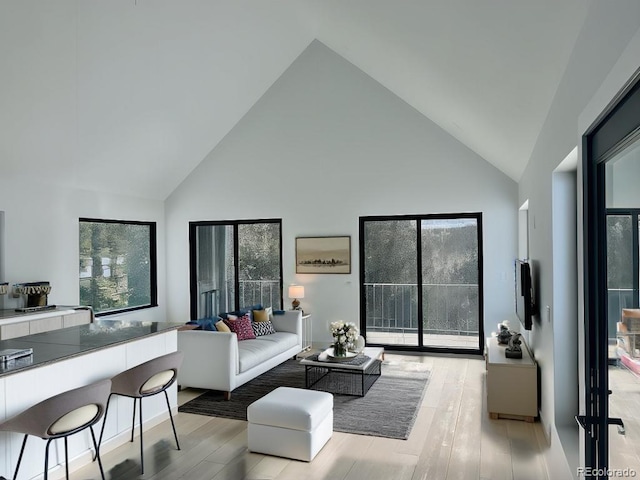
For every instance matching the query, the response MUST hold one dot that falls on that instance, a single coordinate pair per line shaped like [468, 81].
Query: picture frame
[323, 254]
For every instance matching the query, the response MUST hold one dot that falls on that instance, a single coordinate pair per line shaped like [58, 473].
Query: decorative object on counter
[296, 292]
[3, 288]
[345, 335]
[514, 350]
[36, 293]
[504, 334]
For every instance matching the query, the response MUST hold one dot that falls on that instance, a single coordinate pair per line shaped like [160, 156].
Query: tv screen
[524, 294]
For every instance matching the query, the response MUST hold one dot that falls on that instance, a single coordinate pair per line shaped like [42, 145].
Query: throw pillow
[207, 324]
[231, 317]
[260, 316]
[222, 327]
[269, 312]
[263, 328]
[242, 328]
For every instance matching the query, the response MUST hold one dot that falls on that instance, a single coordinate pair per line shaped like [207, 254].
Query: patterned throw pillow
[263, 328]
[242, 328]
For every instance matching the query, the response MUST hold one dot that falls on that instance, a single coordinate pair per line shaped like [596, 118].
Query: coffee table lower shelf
[342, 381]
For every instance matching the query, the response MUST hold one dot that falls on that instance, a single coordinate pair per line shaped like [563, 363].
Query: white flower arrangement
[344, 334]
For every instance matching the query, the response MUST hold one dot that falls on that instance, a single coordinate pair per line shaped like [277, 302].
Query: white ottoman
[290, 422]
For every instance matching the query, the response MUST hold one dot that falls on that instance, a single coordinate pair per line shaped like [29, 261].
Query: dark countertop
[56, 345]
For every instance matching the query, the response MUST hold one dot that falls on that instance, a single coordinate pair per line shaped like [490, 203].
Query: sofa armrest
[290, 322]
[210, 359]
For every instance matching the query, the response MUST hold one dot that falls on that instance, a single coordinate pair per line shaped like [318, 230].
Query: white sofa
[218, 361]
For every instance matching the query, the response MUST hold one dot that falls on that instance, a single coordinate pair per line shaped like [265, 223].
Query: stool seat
[290, 422]
[61, 416]
[145, 380]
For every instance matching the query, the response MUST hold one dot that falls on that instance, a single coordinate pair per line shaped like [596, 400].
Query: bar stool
[60, 417]
[146, 380]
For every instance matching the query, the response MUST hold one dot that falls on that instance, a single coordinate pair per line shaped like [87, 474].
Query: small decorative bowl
[34, 289]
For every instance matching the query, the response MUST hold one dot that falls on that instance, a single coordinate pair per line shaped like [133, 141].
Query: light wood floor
[453, 438]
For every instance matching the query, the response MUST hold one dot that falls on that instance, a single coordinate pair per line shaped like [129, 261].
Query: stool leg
[46, 459]
[66, 458]
[24, 444]
[133, 421]
[104, 422]
[141, 444]
[166, 396]
[93, 437]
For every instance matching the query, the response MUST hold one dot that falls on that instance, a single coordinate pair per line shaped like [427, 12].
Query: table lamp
[296, 292]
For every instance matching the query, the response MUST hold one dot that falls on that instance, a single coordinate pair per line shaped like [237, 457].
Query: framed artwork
[323, 254]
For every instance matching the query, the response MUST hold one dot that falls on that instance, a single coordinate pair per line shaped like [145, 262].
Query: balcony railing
[449, 309]
[264, 292]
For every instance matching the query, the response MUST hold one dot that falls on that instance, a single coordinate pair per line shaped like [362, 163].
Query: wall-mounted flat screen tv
[525, 305]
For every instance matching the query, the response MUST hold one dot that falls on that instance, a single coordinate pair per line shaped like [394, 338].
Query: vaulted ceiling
[128, 96]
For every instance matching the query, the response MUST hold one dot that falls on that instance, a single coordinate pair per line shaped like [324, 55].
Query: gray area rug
[389, 408]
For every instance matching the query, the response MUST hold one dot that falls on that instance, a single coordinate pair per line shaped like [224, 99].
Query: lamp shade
[296, 291]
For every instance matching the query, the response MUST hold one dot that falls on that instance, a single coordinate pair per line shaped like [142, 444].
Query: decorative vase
[339, 349]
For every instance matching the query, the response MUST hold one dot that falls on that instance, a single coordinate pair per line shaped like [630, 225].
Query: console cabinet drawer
[14, 330]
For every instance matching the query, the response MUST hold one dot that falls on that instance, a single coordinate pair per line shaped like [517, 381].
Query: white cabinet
[79, 317]
[512, 383]
[13, 327]
[13, 330]
[45, 325]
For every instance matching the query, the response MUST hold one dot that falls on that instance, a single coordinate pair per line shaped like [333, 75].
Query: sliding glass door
[235, 264]
[390, 285]
[421, 282]
[611, 168]
[451, 300]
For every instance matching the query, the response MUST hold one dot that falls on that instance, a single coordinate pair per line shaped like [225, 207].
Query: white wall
[324, 146]
[42, 241]
[605, 35]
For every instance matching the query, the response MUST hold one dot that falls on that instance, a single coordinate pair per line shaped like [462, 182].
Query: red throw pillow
[242, 328]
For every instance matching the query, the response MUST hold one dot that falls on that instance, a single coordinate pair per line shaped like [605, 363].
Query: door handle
[619, 423]
[582, 421]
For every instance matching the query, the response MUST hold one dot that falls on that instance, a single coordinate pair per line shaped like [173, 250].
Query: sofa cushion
[285, 340]
[262, 328]
[256, 351]
[242, 328]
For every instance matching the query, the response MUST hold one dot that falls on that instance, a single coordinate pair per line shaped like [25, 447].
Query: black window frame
[193, 280]
[616, 128]
[478, 216]
[153, 267]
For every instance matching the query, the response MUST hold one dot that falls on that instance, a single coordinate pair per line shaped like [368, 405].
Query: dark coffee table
[344, 377]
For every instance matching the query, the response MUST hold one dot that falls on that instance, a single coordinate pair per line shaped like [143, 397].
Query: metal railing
[448, 309]
[264, 292]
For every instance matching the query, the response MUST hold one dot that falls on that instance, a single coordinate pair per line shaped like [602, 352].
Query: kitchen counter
[71, 357]
[68, 342]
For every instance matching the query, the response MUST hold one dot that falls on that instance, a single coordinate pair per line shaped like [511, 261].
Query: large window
[117, 265]
[235, 264]
[421, 281]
